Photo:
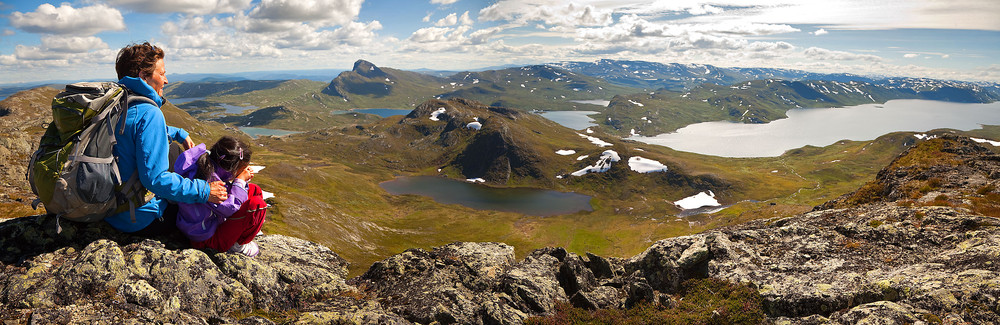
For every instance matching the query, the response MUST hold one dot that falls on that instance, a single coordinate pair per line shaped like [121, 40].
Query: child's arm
[237, 195]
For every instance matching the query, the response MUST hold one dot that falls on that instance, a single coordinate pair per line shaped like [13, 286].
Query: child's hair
[228, 153]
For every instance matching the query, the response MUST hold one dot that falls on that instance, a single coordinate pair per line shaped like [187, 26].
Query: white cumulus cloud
[67, 20]
[443, 2]
[820, 32]
[817, 53]
[193, 7]
[910, 55]
[327, 12]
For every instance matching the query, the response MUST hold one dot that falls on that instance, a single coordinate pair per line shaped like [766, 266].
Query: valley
[326, 177]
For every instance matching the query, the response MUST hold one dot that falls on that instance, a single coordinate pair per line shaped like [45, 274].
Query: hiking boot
[249, 249]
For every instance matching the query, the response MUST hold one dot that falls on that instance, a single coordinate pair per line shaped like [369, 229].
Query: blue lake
[257, 132]
[182, 101]
[577, 120]
[527, 201]
[824, 126]
[381, 112]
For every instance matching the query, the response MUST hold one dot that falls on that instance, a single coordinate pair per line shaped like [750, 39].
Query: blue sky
[77, 40]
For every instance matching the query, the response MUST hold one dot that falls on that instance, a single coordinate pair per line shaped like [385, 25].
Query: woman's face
[158, 79]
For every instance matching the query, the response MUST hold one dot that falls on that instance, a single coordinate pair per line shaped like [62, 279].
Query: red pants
[242, 226]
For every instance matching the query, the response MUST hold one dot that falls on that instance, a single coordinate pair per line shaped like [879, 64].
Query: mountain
[885, 260]
[682, 77]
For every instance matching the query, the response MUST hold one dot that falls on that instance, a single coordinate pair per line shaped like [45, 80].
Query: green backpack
[74, 172]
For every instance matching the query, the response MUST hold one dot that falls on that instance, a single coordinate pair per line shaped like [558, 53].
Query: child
[231, 225]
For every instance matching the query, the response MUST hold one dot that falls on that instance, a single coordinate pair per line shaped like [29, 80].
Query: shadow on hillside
[24, 238]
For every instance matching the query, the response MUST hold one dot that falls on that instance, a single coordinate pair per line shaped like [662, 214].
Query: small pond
[381, 112]
[577, 120]
[529, 201]
[257, 132]
[598, 102]
[182, 101]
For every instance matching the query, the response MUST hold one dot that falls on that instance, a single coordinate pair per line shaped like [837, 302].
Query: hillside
[306, 105]
[683, 77]
[883, 261]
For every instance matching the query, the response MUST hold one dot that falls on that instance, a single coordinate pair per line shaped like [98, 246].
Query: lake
[529, 201]
[824, 126]
[381, 112]
[257, 132]
[598, 102]
[577, 120]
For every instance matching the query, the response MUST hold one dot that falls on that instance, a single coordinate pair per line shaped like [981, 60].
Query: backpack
[74, 172]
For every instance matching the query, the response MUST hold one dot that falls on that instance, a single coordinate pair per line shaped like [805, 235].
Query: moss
[875, 223]
[931, 318]
[702, 301]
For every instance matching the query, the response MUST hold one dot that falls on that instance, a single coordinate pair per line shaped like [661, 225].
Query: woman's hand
[218, 193]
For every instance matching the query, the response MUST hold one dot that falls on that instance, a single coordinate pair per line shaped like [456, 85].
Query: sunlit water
[381, 112]
[577, 120]
[824, 126]
[529, 201]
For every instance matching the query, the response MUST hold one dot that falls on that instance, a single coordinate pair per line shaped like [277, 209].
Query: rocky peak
[368, 69]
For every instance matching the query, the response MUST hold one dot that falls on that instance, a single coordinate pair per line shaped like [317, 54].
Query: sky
[78, 40]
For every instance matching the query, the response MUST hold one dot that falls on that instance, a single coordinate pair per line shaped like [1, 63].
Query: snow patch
[589, 130]
[475, 180]
[636, 103]
[474, 125]
[643, 165]
[602, 165]
[267, 195]
[924, 136]
[438, 112]
[702, 199]
[582, 157]
[595, 140]
[994, 143]
[565, 152]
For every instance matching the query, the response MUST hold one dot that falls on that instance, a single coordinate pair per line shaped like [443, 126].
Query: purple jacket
[199, 220]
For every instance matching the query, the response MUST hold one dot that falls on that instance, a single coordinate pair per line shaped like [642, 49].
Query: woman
[143, 148]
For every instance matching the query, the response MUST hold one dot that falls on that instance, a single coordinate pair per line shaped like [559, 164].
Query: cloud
[450, 20]
[443, 2]
[910, 55]
[522, 12]
[820, 32]
[323, 12]
[193, 7]
[62, 44]
[465, 20]
[822, 54]
[66, 20]
[704, 9]
[7, 32]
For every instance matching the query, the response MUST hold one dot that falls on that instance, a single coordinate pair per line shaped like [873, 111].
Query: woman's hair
[136, 58]
[228, 153]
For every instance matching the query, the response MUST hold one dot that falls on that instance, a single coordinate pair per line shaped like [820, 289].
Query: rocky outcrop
[24, 114]
[887, 261]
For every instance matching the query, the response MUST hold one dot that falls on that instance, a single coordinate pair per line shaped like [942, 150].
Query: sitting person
[232, 224]
[143, 147]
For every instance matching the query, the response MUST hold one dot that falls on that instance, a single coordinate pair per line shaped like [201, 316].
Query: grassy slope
[305, 105]
[331, 194]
